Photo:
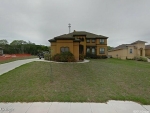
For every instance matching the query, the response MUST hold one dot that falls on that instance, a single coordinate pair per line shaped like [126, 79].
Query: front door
[81, 49]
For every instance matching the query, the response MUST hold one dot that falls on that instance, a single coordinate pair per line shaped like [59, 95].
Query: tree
[109, 48]
[3, 42]
[18, 45]
[18, 42]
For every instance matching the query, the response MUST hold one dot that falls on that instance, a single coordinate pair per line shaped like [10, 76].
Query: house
[129, 51]
[1, 51]
[79, 42]
[147, 50]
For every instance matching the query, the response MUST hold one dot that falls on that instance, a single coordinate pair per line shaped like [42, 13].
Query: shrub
[47, 56]
[81, 56]
[148, 57]
[141, 59]
[89, 55]
[64, 57]
[56, 57]
[104, 56]
[71, 59]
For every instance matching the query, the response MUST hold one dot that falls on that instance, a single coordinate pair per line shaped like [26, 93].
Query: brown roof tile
[147, 47]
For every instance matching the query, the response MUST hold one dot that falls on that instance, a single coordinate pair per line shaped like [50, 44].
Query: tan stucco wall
[121, 54]
[82, 43]
[53, 48]
[98, 49]
[125, 53]
[139, 46]
[73, 47]
[147, 52]
[96, 43]
[64, 43]
[131, 55]
[98, 46]
[76, 50]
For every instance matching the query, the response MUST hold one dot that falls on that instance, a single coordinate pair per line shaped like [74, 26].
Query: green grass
[17, 58]
[96, 81]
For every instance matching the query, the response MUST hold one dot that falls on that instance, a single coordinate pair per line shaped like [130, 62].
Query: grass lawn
[96, 81]
[17, 58]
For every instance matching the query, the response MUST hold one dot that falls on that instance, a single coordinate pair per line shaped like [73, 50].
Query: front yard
[96, 81]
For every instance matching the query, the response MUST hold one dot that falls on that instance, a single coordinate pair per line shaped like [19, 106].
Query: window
[88, 40]
[102, 51]
[131, 51]
[93, 40]
[101, 41]
[64, 49]
[88, 50]
[93, 50]
[81, 39]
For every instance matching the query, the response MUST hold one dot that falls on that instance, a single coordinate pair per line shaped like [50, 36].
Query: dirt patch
[10, 56]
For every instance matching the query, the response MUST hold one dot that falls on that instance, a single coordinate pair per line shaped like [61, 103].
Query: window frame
[64, 49]
[101, 52]
[102, 42]
[87, 49]
[94, 50]
[93, 40]
[131, 51]
[87, 40]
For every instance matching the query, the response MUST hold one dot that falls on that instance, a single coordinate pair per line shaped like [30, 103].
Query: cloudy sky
[123, 21]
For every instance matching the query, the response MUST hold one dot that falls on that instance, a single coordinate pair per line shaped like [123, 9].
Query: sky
[37, 21]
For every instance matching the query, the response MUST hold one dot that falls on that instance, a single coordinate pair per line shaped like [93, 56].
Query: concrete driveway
[12, 65]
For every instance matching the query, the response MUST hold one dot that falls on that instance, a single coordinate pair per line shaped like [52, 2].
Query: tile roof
[80, 33]
[123, 46]
[139, 41]
[147, 47]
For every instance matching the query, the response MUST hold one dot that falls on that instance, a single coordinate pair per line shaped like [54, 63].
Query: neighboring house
[147, 50]
[129, 51]
[79, 42]
[1, 51]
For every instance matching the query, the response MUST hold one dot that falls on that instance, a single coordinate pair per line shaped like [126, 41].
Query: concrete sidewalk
[59, 107]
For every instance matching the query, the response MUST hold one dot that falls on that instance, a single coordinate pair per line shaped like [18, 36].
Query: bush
[47, 56]
[56, 57]
[81, 56]
[141, 59]
[89, 55]
[64, 57]
[104, 56]
[148, 57]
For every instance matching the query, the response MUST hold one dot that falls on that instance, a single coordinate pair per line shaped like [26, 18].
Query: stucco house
[79, 42]
[147, 50]
[1, 51]
[128, 51]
